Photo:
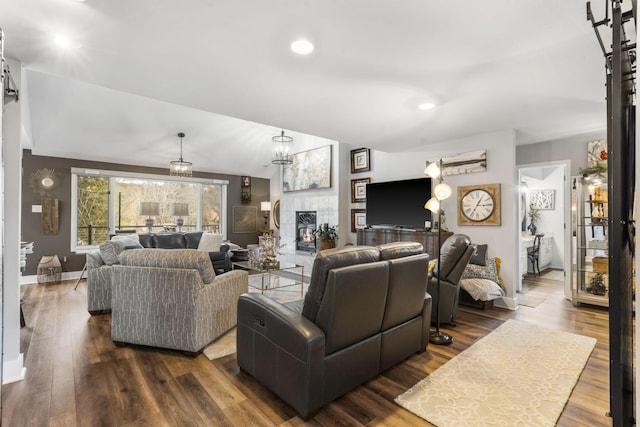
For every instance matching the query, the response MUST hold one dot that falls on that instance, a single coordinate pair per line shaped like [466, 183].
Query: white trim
[67, 275]
[147, 176]
[506, 302]
[13, 370]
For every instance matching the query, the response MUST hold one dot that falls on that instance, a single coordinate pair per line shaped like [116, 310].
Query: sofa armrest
[279, 324]
[283, 350]
[426, 321]
[221, 259]
[94, 260]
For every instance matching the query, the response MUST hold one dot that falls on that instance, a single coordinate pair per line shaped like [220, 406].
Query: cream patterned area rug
[223, 346]
[520, 374]
[226, 344]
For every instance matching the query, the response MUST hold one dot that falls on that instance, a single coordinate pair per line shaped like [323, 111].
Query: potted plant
[534, 216]
[596, 285]
[326, 236]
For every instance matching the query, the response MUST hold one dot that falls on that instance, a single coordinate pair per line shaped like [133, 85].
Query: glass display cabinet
[591, 241]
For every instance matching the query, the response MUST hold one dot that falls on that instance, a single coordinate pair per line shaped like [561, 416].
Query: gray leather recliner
[455, 254]
[366, 310]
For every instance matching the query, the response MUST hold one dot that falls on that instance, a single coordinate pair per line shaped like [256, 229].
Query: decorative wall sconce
[265, 207]
[245, 191]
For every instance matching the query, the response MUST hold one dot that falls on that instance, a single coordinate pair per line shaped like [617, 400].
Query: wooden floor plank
[76, 376]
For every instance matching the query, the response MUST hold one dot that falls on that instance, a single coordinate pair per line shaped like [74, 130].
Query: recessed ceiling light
[426, 106]
[302, 47]
[64, 42]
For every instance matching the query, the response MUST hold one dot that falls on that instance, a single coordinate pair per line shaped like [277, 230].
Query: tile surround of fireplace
[306, 223]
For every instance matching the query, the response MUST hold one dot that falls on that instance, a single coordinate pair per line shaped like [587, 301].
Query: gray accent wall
[60, 244]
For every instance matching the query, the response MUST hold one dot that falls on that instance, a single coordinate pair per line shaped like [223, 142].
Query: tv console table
[378, 236]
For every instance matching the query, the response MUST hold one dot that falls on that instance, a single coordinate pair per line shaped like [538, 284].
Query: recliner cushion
[146, 240]
[452, 250]
[327, 260]
[399, 249]
[169, 241]
[353, 305]
[192, 239]
[407, 285]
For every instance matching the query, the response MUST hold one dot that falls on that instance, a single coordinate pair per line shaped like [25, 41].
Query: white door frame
[566, 205]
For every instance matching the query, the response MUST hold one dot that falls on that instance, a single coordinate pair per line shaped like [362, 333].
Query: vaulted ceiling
[138, 72]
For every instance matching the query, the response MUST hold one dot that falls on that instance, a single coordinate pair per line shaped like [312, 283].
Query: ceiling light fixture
[281, 151]
[302, 47]
[426, 106]
[65, 42]
[180, 167]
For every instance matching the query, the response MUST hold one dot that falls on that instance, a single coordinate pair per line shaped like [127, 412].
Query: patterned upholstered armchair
[172, 298]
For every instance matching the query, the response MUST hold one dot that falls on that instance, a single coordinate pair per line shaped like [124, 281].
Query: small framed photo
[358, 219]
[360, 160]
[359, 190]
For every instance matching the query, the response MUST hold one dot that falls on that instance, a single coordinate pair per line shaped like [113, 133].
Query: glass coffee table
[271, 272]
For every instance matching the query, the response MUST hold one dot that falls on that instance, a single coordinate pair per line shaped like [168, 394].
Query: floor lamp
[441, 192]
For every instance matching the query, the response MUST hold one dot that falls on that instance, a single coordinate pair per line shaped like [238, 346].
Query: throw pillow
[498, 265]
[131, 241]
[488, 271]
[479, 256]
[482, 289]
[110, 250]
[210, 242]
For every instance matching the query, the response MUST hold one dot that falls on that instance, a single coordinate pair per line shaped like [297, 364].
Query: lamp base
[149, 223]
[440, 338]
[180, 223]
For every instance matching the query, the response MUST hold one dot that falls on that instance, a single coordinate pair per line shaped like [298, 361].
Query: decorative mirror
[45, 181]
[276, 213]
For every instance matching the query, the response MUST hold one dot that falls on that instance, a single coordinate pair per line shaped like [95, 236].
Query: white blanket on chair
[482, 289]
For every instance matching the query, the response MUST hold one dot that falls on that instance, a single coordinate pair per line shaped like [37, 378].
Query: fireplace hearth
[305, 225]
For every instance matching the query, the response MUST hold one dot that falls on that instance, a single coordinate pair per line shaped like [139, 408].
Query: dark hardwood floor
[76, 376]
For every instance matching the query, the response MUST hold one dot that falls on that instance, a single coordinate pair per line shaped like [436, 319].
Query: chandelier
[281, 152]
[180, 167]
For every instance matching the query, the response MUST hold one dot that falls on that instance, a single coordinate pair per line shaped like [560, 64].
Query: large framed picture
[360, 160]
[543, 199]
[358, 219]
[359, 190]
[310, 170]
[245, 219]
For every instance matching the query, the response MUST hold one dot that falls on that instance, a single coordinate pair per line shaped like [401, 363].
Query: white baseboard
[13, 370]
[67, 275]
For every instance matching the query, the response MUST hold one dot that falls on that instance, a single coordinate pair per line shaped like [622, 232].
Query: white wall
[500, 146]
[12, 359]
[324, 201]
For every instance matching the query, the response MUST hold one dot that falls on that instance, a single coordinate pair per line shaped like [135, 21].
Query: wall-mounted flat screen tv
[398, 203]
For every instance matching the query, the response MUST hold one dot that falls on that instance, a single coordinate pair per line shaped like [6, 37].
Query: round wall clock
[479, 204]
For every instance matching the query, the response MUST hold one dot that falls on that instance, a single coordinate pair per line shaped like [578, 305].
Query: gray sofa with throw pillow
[366, 310]
[172, 299]
[99, 262]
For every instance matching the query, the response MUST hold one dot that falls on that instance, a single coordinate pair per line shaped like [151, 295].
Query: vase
[325, 244]
[532, 229]
[268, 245]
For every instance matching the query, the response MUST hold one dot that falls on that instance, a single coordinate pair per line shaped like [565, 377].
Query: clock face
[477, 205]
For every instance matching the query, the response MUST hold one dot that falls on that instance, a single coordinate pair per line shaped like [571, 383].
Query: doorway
[546, 187]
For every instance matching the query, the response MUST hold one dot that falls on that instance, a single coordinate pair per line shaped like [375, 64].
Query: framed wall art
[245, 219]
[360, 160]
[359, 190]
[469, 162]
[358, 219]
[310, 170]
[542, 199]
